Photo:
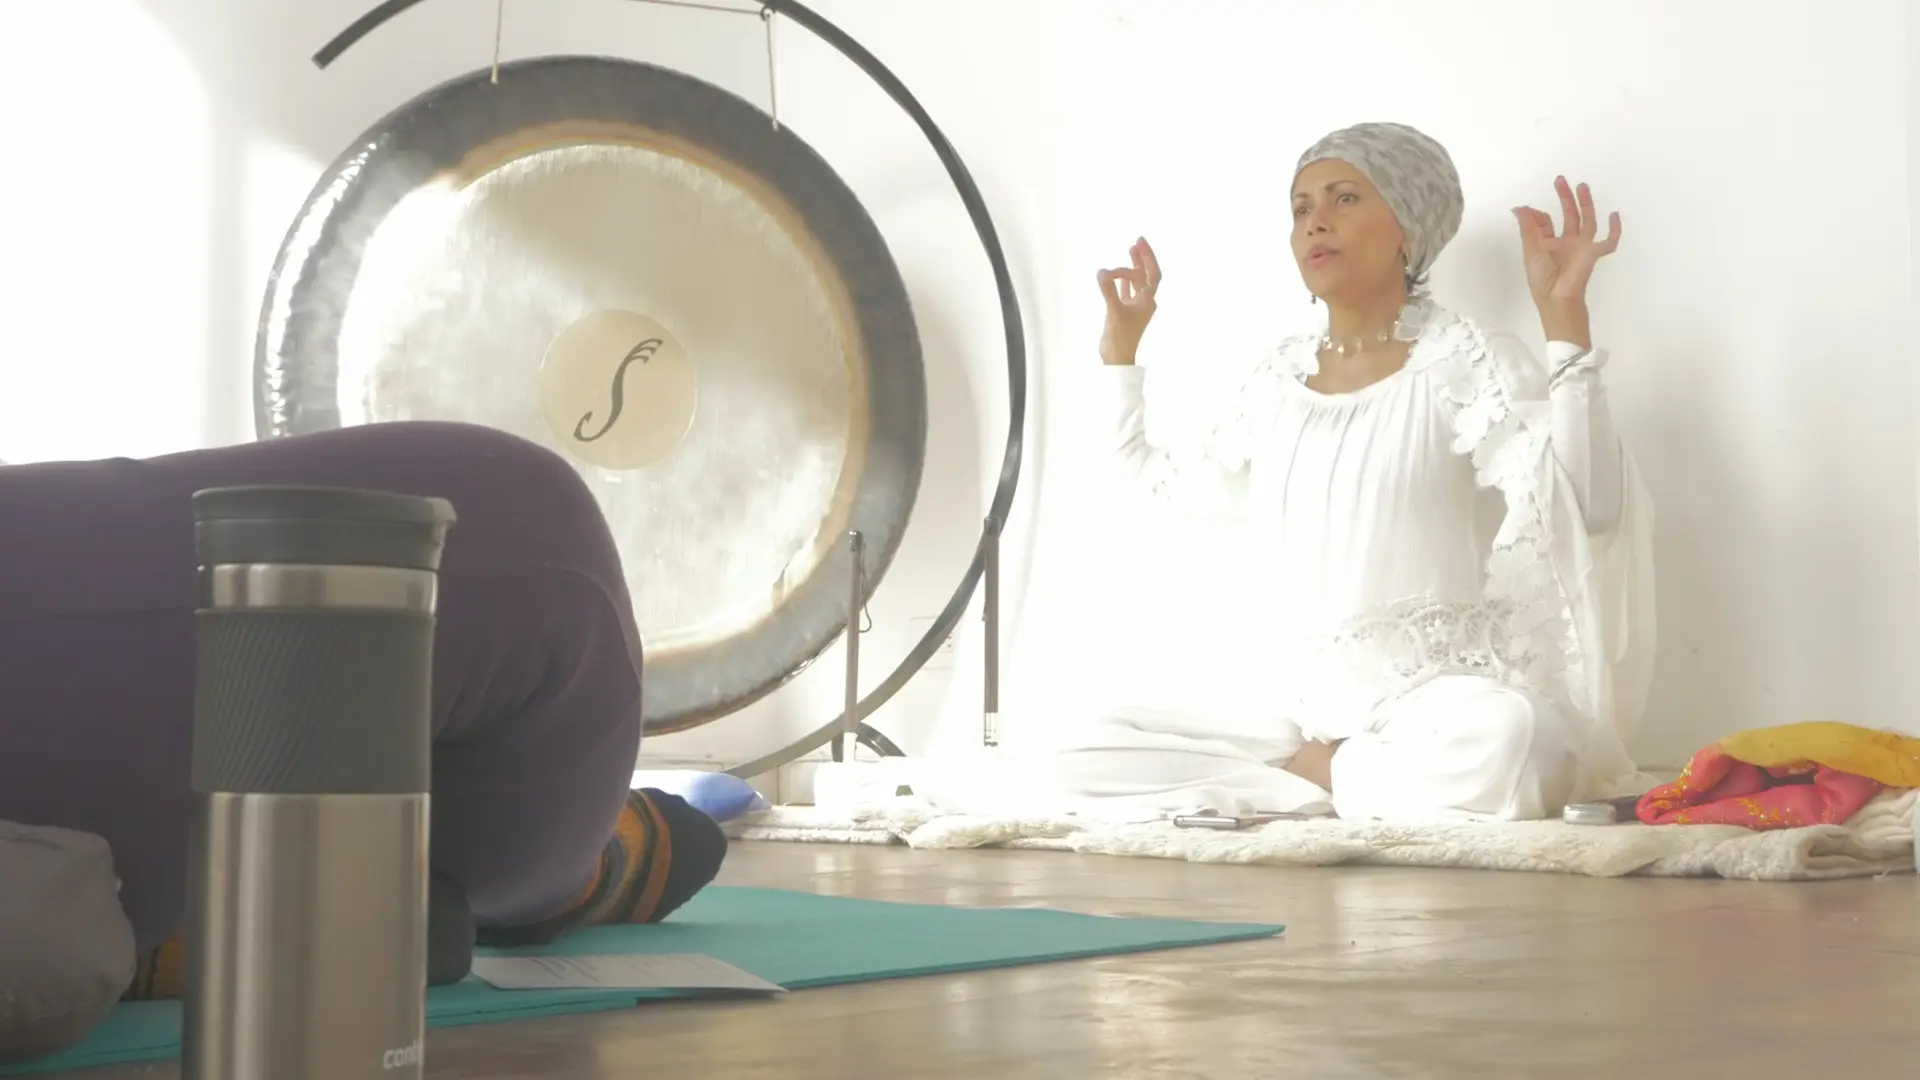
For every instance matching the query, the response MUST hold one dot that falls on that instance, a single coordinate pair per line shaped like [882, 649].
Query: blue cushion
[720, 796]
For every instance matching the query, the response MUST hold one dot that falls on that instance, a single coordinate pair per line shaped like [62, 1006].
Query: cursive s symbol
[640, 353]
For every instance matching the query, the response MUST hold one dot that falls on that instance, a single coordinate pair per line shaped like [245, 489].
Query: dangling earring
[1315, 298]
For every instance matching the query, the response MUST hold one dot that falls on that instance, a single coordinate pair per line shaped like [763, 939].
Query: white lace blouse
[1380, 576]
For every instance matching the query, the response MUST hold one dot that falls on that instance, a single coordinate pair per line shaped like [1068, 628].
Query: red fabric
[1717, 790]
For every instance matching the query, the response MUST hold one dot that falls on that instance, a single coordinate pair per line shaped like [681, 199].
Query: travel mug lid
[319, 526]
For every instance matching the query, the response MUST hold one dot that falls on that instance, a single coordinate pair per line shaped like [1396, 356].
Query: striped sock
[662, 851]
[161, 973]
[667, 851]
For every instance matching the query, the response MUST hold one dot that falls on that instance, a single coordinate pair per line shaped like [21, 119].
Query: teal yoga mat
[798, 940]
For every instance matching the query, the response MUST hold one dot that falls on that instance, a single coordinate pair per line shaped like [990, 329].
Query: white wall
[1913, 186]
[1759, 310]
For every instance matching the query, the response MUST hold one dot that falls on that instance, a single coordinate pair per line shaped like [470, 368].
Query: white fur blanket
[1877, 840]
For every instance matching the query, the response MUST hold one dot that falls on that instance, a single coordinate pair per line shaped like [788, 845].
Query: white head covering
[1415, 176]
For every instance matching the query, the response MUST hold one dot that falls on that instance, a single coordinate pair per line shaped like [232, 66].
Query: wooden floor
[1381, 974]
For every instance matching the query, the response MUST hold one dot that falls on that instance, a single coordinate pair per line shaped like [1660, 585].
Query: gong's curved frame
[986, 553]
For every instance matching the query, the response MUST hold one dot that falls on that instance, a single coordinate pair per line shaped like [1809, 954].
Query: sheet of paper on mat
[677, 972]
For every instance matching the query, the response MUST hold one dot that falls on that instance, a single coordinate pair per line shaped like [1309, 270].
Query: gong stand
[984, 570]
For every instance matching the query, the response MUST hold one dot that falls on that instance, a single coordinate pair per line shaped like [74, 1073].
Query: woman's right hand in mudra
[1129, 294]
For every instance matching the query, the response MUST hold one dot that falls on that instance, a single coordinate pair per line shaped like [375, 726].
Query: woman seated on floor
[536, 680]
[1420, 670]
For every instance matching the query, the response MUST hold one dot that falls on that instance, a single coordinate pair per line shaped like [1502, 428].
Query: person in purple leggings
[536, 679]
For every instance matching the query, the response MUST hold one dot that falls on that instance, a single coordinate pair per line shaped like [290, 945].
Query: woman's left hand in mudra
[1560, 264]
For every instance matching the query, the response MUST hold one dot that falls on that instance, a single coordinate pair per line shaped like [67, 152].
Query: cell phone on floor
[1231, 823]
[1606, 812]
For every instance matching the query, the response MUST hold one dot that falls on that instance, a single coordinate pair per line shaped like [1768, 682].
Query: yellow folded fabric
[1886, 756]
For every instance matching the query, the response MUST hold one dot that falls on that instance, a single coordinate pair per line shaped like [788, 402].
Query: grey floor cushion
[66, 948]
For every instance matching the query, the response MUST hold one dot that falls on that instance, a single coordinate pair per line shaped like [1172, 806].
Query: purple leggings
[536, 667]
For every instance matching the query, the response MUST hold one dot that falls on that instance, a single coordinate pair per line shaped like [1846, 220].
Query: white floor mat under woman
[1877, 840]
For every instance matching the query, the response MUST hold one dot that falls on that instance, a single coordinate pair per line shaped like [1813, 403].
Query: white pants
[1459, 747]
[1456, 748]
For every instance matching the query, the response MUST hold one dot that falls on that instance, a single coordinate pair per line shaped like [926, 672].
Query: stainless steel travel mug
[312, 731]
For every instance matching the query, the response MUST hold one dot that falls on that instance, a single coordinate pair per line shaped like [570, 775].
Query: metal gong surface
[638, 270]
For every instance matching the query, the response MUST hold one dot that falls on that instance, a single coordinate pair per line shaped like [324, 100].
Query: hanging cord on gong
[765, 12]
[499, 24]
[388, 9]
[773, 77]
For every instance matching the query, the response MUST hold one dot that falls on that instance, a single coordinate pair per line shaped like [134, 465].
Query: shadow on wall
[1724, 536]
[252, 58]
[1695, 490]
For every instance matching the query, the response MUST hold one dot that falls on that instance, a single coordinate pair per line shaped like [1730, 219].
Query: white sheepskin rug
[1878, 840]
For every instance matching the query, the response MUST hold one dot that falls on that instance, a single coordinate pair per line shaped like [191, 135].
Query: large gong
[642, 272]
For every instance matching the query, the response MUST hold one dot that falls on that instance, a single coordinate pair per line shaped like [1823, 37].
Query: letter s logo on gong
[640, 353]
[618, 391]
